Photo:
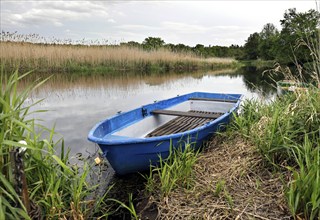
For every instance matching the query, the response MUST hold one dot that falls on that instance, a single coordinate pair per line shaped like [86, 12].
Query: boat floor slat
[187, 123]
[182, 124]
[170, 126]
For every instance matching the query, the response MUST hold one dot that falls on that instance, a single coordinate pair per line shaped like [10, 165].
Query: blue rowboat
[134, 140]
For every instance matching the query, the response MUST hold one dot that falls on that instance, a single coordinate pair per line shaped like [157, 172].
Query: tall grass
[14, 127]
[176, 170]
[56, 189]
[314, 49]
[304, 191]
[73, 58]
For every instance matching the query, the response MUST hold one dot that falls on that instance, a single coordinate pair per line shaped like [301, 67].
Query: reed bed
[73, 58]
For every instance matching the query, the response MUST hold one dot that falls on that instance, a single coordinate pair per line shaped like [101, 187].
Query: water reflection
[260, 80]
[76, 103]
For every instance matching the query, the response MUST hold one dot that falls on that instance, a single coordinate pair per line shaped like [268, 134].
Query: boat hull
[134, 154]
[135, 157]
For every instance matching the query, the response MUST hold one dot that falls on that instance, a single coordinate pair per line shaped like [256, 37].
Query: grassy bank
[50, 58]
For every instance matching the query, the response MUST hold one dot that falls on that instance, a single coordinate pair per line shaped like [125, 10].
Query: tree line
[299, 30]
[154, 43]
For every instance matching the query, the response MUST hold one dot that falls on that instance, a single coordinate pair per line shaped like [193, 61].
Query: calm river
[77, 103]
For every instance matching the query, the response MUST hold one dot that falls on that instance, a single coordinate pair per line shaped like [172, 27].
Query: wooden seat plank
[216, 100]
[188, 114]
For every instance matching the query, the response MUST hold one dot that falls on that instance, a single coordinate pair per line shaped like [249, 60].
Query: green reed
[55, 188]
[13, 125]
[272, 126]
[129, 207]
[176, 170]
[304, 191]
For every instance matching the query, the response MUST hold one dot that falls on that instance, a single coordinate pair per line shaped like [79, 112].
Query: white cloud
[228, 27]
[110, 20]
[56, 12]
[137, 27]
[74, 6]
[184, 27]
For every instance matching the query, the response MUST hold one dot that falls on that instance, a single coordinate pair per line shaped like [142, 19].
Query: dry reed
[57, 56]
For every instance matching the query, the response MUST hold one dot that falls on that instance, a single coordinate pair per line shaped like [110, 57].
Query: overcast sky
[188, 22]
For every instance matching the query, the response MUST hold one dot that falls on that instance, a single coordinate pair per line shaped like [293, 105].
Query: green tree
[131, 44]
[180, 48]
[251, 51]
[153, 43]
[268, 38]
[235, 51]
[297, 27]
[199, 49]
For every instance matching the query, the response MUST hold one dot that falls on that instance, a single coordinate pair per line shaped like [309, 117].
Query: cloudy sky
[188, 22]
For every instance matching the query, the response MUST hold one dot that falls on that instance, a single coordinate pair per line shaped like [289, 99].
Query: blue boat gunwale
[121, 140]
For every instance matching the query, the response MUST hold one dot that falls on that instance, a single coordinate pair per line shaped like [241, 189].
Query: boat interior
[182, 117]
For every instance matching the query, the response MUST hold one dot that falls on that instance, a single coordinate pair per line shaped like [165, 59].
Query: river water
[76, 103]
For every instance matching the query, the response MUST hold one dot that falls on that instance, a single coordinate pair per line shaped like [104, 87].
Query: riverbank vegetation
[286, 133]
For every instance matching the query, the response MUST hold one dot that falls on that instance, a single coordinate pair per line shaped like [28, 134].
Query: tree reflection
[259, 80]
